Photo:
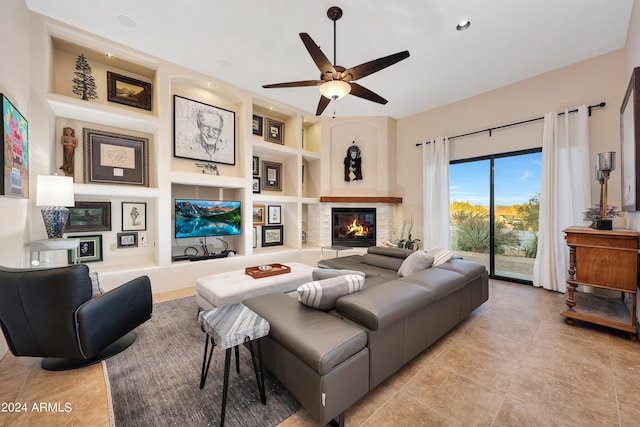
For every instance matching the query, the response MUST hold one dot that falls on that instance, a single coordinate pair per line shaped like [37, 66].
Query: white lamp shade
[54, 190]
[335, 89]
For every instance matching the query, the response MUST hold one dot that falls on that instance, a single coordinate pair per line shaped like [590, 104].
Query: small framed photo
[90, 249]
[256, 184]
[255, 237]
[128, 240]
[128, 91]
[89, 216]
[272, 235]
[112, 158]
[258, 215]
[257, 125]
[271, 176]
[274, 214]
[134, 216]
[256, 166]
[203, 132]
[274, 131]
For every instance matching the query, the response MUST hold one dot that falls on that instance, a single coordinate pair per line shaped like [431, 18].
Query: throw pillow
[327, 273]
[440, 256]
[323, 294]
[417, 261]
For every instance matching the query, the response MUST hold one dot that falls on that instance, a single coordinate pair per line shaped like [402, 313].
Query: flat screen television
[204, 218]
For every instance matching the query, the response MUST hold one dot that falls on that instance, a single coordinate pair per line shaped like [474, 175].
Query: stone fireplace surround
[319, 226]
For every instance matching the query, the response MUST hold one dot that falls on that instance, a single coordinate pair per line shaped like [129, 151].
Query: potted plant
[592, 215]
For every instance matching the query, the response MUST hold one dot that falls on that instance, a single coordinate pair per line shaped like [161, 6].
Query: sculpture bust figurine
[69, 143]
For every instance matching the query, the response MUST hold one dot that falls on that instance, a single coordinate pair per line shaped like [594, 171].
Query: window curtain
[564, 194]
[435, 162]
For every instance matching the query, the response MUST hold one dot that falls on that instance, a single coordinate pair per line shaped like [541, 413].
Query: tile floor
[513, 362]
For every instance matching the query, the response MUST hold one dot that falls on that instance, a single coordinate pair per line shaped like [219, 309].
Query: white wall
[589, 82]
[14, 84]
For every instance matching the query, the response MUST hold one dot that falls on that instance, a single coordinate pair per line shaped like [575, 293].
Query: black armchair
[50, 313]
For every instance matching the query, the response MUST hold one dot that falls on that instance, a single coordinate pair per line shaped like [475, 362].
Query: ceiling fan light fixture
[335, 89]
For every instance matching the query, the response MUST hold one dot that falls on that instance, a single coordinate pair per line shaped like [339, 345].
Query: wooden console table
[606, 259]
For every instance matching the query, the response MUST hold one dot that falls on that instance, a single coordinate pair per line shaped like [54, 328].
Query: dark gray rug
[155, 382]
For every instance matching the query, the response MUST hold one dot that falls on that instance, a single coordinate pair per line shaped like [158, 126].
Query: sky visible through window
[517, 179]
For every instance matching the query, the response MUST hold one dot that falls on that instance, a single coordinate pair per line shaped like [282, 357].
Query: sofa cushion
[440, 256]
[326, 273]
[417, 261]
[382, 305]
[322, 294]
[441, 282]
[388, 251]
[469, 269]
[382, 261]
[292, 325]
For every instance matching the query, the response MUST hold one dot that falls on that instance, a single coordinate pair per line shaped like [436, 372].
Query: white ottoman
[235, 286]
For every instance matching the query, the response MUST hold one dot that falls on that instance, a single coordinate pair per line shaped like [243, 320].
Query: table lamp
[55, 193]
[605, 163]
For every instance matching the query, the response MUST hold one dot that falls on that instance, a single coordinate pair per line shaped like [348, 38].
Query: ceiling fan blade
[322, 104]
[295, 84]
[324, 65]
[362, 70]
[363, 92]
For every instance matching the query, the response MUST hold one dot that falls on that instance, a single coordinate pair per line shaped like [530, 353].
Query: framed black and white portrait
[203, 132]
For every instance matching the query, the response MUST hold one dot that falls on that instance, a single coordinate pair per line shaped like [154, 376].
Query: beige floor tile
[629, 416]
[536, 397]
[628, 388]
[520, 328]
[456, 397]
[587, 350]
[404, 410]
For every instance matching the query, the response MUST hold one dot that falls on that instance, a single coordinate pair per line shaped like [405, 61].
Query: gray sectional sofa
[329, 359]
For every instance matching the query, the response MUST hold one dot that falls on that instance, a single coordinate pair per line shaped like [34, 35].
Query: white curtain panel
[435, 162]
[565, 193]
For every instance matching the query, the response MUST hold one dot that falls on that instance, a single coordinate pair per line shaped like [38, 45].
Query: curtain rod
[490, 130]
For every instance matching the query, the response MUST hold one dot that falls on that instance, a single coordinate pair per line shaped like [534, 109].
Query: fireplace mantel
[357, 199]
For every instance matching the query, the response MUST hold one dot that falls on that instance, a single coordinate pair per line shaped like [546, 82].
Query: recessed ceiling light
[463, 25]
[109, 55]
[209, 84]
[126, 20]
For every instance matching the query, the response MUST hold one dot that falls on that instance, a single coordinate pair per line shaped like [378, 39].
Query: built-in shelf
[359, 199]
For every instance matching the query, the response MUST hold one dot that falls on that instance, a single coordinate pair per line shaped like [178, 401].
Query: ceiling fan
[336, 81]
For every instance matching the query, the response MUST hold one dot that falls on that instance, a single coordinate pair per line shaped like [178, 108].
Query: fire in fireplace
[354, 227]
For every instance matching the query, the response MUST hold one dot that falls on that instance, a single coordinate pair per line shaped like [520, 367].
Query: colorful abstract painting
[15, 177]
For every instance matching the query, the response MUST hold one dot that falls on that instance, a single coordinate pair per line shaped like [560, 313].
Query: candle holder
[605, 164]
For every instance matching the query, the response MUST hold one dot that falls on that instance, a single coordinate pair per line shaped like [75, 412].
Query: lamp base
[604, 224]
[55, 220]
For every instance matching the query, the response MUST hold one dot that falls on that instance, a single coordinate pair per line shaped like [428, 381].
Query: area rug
[155, 382]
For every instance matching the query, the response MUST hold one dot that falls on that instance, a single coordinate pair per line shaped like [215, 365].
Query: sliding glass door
[494, 212]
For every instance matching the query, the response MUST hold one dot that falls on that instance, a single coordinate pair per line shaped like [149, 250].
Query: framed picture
[272, 235]
[113, 158]
[256, 184]
[90, 249]
[271, 176]
[255, 237]
[257, 125]
[128, 240]
[128, 91]
[203, 132]
[89, 216]
[630, 149]
[258, 215]
[15, 132]
[134, 216]
[256, 166]
[274, 214]
[274, 131]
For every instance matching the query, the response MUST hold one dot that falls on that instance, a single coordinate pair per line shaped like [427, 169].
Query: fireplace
[353, 227]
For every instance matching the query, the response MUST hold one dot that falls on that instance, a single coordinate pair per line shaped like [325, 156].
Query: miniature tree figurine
[84, 83]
